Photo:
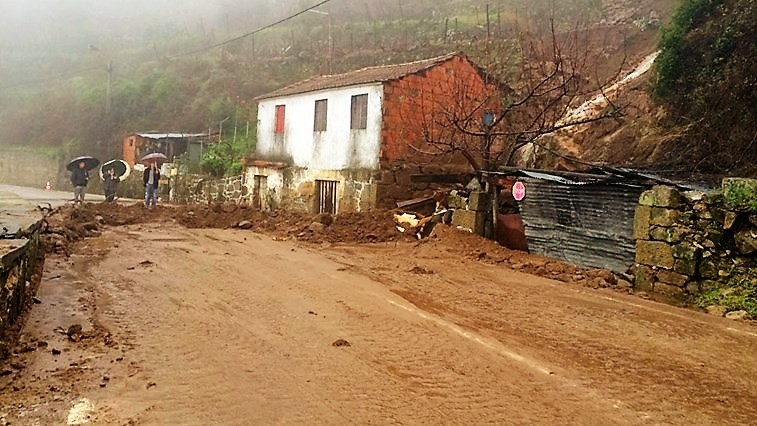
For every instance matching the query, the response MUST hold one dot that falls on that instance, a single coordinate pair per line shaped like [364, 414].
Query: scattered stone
[17, 365]
[716, 310]
[421, 271]
[738, 315]
[150, 385]
[103, 384]
[341, 343]
[312, 313]
[746, 240]
[146, 263]
[119, 359]
[55, 351]
[316, 227]
[74, 333]
[624, 283]
[245, 224]
[6, 372]
[643, 294]
[36, 300]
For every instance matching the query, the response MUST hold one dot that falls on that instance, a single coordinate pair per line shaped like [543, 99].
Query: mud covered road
[208, 326]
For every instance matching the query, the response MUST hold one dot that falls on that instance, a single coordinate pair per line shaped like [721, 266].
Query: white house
[326, 144]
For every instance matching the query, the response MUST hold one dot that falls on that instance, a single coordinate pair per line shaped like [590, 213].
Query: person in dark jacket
[110, 185]
[150, 178]
[79, 179]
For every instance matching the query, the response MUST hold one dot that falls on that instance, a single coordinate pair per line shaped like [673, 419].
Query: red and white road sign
[519, 191]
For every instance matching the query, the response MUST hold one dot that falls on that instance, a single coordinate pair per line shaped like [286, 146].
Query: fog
[63, 26]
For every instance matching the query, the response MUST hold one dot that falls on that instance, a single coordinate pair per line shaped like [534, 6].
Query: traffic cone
[47, 187]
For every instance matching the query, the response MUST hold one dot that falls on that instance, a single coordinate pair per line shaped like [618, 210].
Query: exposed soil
[71, 224]
[155, 323]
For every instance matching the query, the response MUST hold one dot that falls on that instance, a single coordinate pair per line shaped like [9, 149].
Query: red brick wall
[130, 145]
[411, 104]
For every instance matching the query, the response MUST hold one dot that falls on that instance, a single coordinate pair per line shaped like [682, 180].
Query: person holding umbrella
[79, 168]
[151, 177]
[112, 173]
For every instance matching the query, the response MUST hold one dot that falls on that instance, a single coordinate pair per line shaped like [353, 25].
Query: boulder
[738, 315]
[245, 224]
[641, 222]
[746, 240]
[716, 310]
[664, 217]
[654, 253]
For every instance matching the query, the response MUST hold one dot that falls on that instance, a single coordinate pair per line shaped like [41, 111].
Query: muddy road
[208, 326]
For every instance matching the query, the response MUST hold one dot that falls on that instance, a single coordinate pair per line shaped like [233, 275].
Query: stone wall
[190, 189]
[692, 241]
[19, 259]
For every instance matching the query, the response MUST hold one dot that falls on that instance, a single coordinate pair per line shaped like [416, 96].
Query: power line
[192, 52]
[240, 37]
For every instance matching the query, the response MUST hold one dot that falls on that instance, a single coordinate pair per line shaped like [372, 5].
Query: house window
[359, 118]
[321, 112]
[280, 113]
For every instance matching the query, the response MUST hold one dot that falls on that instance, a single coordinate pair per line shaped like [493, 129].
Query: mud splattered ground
[181, 322]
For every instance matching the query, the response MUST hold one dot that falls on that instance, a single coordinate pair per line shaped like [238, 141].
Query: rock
[316, 227]
[685, 267]
[245, 224]
[738, 315]
[666, 196]
[730, 220]
[643, 277]
[99, 219]
[693, 287]
[325, 218]
[686, 251]
[708, 269]
[36, 300]
[474, 185]
[670, 277]
[668, 290]
[641, 222]
[654, 253]
[693, 196]
[339, 343]
[753, 219]
[664, 217]
[624, 283]
[670, 235]
[55, 351]
[716, 310]
[746, 240]
[647, 198]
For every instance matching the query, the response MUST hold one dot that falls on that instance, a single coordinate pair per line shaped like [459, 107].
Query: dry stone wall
[689, 242]
[191, 189]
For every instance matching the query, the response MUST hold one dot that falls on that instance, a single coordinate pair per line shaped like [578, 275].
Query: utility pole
[108, 88]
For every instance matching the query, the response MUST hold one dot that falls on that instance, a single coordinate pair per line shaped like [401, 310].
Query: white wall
[338, 147]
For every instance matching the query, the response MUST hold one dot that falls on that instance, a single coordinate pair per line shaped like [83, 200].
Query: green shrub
[739, 294]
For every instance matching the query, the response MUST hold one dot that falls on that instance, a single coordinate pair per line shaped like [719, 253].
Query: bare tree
[531, 88]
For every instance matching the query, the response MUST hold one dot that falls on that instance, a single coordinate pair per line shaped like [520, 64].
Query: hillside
[156, 85]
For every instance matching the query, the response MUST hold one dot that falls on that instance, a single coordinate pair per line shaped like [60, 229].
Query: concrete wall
[34, 169]
[337, 148]
[690, 242]
[19, 259]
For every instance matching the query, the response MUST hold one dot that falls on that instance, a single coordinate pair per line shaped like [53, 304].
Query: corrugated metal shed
[589, 225]
[584, 218]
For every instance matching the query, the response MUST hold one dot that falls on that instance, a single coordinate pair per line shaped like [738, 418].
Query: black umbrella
[120, 168]
[89, 163]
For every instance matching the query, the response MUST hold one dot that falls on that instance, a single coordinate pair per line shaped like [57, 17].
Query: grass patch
[740, 293]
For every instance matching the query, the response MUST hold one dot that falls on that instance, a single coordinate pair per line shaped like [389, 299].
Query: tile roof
[368, 75]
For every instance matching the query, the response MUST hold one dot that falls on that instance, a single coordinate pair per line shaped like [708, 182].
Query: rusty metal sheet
[587, 225]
